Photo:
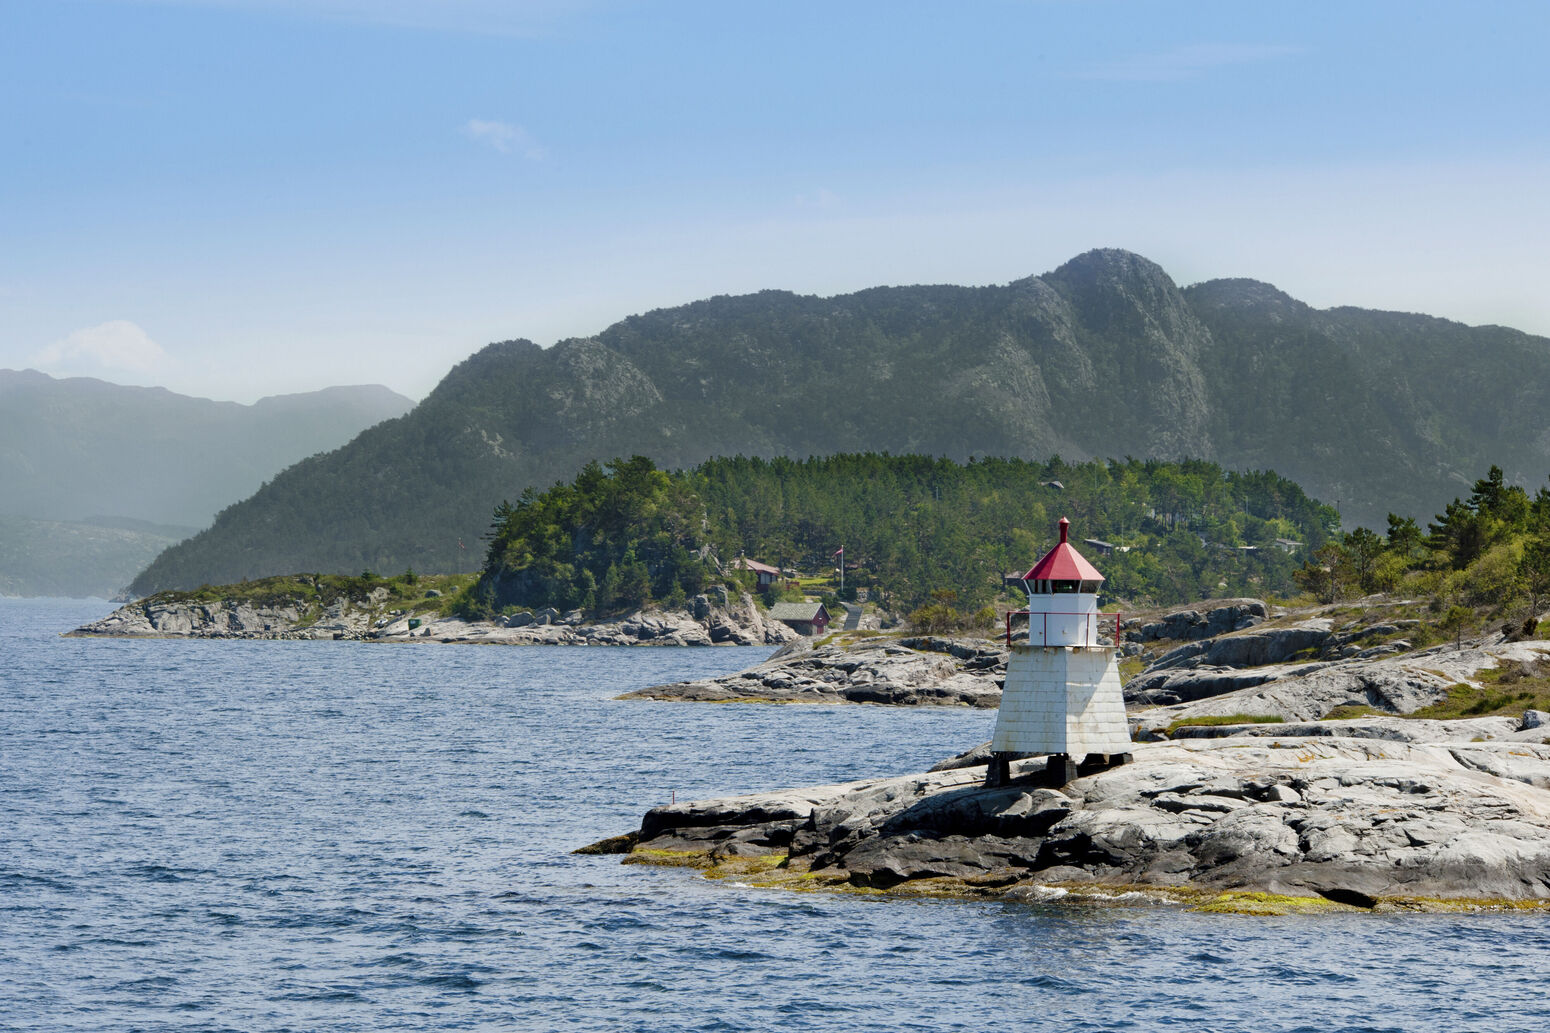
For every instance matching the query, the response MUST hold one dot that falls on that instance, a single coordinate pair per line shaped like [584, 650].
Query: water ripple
[333, 836]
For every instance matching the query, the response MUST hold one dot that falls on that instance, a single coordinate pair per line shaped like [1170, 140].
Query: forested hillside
[627, 533]
[1486, 556]
[1105, 356]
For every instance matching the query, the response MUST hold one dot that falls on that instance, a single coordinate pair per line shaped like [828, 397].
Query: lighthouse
[1062, 695]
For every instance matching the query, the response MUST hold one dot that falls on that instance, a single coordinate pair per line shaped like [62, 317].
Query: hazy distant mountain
[93, 455]
[1105, 356]
[77, 558]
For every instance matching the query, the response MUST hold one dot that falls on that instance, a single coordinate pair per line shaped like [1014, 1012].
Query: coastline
[1263, 826]
[709, 621]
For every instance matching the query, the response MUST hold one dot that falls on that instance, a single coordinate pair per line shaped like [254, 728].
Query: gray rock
[1350, 819]
[1229, 615]
[943, 672]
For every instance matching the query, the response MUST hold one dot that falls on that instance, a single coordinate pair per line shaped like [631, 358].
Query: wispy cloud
[485, 17]
[1184, 62]
[822, 198]
[118, 346]
[505, 137]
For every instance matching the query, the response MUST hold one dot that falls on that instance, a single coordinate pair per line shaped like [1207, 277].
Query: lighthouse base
[1062, 701]
[1057, 770]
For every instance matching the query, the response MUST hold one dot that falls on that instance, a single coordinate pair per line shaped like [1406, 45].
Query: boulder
[1229, 615]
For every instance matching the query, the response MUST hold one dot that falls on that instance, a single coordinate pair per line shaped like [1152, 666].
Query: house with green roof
[804, 618]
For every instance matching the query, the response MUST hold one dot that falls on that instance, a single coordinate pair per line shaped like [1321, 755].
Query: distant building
[766, 574]
[1287, 545]
[1102, 548]
[805, 618]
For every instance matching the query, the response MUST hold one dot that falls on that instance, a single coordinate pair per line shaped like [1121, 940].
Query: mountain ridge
[1104, 356]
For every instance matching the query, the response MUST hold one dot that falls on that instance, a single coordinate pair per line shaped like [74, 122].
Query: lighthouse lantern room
[1062, 696]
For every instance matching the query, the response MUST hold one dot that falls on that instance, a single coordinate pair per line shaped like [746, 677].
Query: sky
[237, 198]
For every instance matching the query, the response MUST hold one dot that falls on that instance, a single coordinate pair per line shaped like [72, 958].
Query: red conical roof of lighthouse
[1063, 563]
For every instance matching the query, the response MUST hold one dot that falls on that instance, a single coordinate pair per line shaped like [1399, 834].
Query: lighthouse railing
[1095, 623]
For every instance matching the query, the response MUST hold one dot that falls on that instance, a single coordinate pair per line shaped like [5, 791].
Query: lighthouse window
[1089, 587]
[1064, 587]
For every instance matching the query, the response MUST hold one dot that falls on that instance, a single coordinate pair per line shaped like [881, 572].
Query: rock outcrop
[1399, 683]
[731, 622]
[1188, 625]
[916, 671]
[1360, 822]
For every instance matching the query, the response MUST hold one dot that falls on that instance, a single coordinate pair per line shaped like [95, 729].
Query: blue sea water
[343, 836]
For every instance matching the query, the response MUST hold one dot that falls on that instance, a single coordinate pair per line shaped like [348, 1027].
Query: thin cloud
[1184, 62]
[822, 198]
[505, 138]
[118, 346]
[480, 17]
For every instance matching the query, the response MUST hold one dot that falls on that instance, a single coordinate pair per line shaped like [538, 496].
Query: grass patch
[1352, 710]
[312, 593]
[1506, 690]
[1130, 667]
[1215, 720]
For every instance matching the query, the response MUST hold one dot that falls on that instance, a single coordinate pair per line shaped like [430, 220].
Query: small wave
[22, 879]
[392, 961]
[452, 981]
[147, 983]
[732, 954]
[163, 873]
[328, 995]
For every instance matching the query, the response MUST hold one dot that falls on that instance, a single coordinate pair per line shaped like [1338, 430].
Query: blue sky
[242, 197]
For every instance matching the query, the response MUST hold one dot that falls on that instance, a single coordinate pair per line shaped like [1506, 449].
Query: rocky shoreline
[1281, 810]
[1238, 822]
[889, 670]
[712, 619]
[1233, 658]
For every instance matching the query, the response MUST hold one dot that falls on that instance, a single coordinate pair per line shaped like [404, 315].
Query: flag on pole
[840, 551]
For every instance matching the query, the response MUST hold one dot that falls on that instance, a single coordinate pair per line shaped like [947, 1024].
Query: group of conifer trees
[625, 533]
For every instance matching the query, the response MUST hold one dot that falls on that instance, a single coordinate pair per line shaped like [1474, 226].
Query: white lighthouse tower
[1062, 694]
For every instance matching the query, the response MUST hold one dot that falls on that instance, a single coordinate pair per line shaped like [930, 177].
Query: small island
[1351, 819]
[423, 608]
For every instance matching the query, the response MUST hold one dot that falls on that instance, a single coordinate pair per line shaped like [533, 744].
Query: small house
[1099, 546]
[766, 574]
[804, 618]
